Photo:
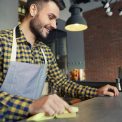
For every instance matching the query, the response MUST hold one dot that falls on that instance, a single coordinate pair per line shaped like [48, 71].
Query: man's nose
[54, 24]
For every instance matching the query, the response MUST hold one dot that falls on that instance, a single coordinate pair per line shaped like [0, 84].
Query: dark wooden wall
[103, 44]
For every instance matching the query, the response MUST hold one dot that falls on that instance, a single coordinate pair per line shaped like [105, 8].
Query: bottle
[19, 9]
[23, 10]
[118, 85]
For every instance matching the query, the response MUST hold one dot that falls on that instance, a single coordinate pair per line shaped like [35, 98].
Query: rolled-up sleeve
[63, 85]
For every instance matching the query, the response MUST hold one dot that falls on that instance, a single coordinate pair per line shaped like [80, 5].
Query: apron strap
[14, 48]
[44, 56]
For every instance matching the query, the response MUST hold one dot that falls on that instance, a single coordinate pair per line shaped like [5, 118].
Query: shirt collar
[20, 35]
[21, 38]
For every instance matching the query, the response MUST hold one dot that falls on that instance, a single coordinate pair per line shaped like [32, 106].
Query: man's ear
[33, 10]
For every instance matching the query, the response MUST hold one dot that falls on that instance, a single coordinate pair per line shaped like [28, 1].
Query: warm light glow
[76, 27]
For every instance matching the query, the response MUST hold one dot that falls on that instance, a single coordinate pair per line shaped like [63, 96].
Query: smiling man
[26, 62]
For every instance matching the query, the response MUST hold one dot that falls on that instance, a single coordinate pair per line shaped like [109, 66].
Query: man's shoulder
[5, 33]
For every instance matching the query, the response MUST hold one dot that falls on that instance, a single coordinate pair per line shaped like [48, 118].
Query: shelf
[21, 10]
[21, 14]
[22, 2]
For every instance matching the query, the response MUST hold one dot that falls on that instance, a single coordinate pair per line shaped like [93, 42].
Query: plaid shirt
[16, 107]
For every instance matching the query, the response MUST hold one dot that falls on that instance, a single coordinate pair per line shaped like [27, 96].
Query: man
[26, 62]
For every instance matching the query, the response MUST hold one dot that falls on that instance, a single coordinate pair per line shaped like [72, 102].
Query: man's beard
[35, 31]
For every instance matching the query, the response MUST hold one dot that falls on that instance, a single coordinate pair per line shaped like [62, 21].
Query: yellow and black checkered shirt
[15, 107]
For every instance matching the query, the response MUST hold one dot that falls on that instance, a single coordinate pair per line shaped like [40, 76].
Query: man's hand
[50, 105]
[108, 90]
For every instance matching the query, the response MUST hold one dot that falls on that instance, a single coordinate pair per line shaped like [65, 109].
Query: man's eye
[50, 17]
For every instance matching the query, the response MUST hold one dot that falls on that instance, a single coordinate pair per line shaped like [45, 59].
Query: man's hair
[59, 3]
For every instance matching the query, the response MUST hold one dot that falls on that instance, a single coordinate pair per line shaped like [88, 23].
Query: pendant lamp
[76, 22]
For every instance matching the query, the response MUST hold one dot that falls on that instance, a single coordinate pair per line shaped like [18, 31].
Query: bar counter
[99, 109]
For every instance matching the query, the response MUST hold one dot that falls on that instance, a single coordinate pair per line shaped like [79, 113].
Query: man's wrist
[31, 108]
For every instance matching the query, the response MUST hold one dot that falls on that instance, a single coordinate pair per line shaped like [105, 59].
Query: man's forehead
[52, 8]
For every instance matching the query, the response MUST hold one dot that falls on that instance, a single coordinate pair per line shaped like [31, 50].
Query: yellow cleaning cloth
[42, 116]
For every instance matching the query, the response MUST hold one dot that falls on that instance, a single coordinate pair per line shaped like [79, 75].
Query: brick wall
[103, 44]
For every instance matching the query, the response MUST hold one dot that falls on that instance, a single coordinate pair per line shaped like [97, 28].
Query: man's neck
[27, 32]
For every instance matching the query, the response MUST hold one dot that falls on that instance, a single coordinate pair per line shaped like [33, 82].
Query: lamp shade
[76, 22]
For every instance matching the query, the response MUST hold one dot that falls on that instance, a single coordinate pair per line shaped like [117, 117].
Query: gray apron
[24, 79]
